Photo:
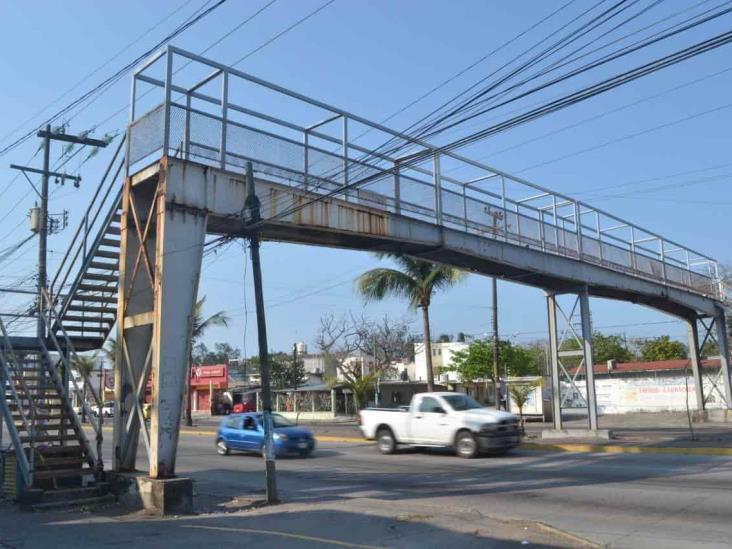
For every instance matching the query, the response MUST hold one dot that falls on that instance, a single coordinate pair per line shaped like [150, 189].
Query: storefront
[207, 381]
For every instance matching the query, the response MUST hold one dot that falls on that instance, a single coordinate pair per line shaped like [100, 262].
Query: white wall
[442, 354]
[647, 394]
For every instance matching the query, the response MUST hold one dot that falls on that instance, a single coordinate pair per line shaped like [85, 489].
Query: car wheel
[465, 445]
[222, 448]
[385, 441]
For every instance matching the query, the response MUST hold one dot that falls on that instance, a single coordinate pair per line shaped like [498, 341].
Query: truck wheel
[385, 441]
[465, 445]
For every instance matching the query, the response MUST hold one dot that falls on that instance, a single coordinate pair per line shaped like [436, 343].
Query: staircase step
[43, 417]
[89, 319]
[46, 405]
[107, 253]
[79, 502]
[95, 298]
[110, 242]
[62, 473]
[101, 288]
[113, 230]
[72, 494]
[60, 450]
[74, 330]
[49, 438]
[60, 462]
[102, 277]
[92, 309]
[102, 266]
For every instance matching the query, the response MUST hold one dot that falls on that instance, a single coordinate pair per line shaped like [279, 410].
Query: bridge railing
[209, 114]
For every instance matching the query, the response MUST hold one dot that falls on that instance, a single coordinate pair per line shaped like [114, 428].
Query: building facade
[442, 357]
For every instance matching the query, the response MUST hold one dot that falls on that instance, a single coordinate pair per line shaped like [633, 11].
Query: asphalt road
[349, 495]
[621, 500]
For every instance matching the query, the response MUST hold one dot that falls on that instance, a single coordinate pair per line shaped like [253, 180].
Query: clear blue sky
[372, 58]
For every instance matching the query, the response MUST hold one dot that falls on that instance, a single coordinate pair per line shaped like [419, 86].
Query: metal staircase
[56, 462]
[84, 289]
[53, 453]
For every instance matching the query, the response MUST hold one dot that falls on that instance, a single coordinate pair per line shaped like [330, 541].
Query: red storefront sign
[216, 375]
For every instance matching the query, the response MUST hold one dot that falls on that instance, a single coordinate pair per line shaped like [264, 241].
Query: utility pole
[47, 135]
[252, 207]
[496, 355]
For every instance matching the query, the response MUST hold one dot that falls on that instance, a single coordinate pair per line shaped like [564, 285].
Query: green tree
[84, 365]
[200, 326]
[476, 362]
[604, 348]
[416, 280]
[662, 348]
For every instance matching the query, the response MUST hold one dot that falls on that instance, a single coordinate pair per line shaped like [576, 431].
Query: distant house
[442, 356]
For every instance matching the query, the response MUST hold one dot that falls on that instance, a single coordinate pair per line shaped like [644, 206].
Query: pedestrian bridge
[325, 177]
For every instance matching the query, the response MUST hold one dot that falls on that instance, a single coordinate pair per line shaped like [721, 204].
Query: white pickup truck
[450, 420]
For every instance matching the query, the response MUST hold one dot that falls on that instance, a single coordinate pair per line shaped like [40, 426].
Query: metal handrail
[95, 459]
[26, 465]
[90, 254]
[85, 225]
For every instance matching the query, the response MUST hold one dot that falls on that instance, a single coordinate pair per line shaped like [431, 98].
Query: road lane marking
[302, 537]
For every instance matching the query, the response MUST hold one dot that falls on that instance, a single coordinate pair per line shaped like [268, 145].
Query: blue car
[244, 432]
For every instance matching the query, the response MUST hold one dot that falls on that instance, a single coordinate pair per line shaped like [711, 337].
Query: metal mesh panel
[590, 248]
[616, 255]
[146, 135]
[176, 140]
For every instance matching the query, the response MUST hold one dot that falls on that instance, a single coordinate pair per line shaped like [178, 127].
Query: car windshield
[462, 402]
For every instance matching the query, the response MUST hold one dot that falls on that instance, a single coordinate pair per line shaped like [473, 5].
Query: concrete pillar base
[600, 434]
[712, 416]
[170, 496]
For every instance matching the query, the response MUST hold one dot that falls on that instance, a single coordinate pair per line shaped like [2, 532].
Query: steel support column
[722, 342]
[695, 359]
[551, 302]
[588, 359]
[160, 260]
[180, 238]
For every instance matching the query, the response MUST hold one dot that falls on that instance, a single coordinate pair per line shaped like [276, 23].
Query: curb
[615, 449]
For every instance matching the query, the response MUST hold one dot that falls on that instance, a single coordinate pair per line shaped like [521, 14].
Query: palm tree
[417, 281]
[85, 365]
[200, 326]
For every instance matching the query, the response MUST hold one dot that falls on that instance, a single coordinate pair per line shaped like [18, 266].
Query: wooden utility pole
[252, 207]
[47, 135]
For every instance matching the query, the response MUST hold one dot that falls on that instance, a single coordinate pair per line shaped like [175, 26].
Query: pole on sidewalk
[43, 234]
[497, 387]
[252, 207]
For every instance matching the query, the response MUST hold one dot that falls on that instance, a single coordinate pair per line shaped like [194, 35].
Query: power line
[283, 32]
[97, 70]
[626, 137]
[112, 79]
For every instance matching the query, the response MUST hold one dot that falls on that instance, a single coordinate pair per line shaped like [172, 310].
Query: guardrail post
[345, 154]
[397, 189]
[187, 130]
[224, 116]
[578, 228]
[306, 158]
[599, 235]
[505, 210]
[633, 262]
[168, 96]
[663, 260]
[438, 187]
